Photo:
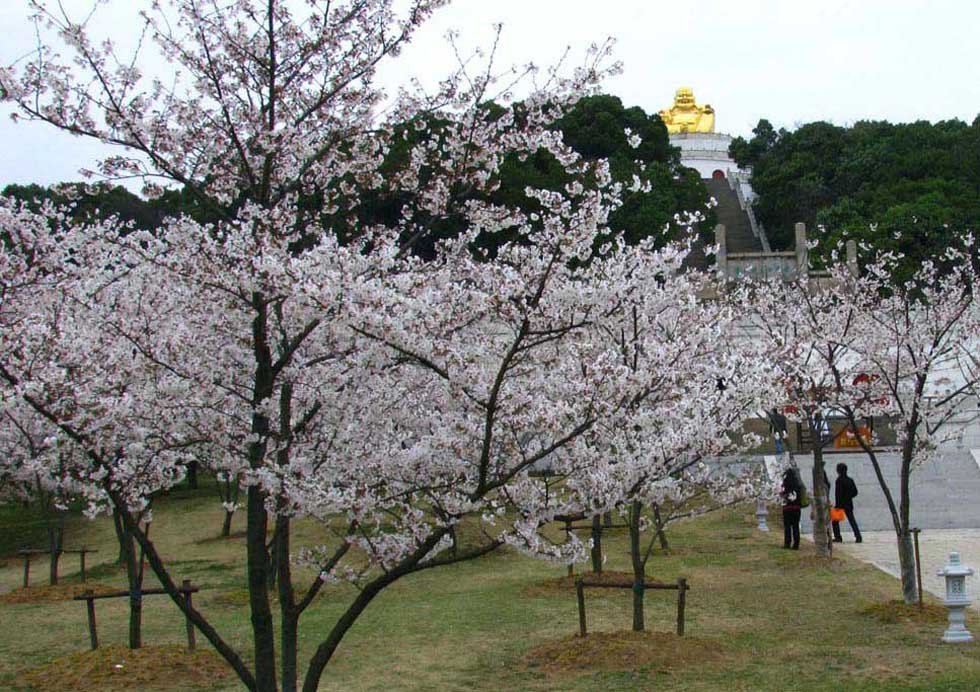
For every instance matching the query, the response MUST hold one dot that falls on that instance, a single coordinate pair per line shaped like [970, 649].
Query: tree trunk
[639, 572]
[289, 617]
[597, 544]
[906, 561]
[134, 577]
[607, 519]
[257, 519]
[117, 522]
[906, 554]
[183, 603]
[661, 534]
[228, 491]
[328, 646]
[192, 475]
[56, 538]
[257, 560]
[820, 508]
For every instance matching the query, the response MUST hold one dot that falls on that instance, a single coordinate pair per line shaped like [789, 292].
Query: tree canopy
[906, 187]
[595, 128]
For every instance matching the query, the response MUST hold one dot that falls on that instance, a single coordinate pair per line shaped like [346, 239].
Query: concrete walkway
[935, 545]
[944, 506]
[943, 492]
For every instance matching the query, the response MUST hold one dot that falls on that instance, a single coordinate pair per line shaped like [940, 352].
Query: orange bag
[837, 514]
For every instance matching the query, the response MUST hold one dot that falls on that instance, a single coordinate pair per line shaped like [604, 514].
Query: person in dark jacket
[844, 493]
[791, 510]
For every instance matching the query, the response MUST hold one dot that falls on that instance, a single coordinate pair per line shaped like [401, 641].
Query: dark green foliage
[90, 202]
[101, 201]
[904, 187]
[595, 128]
[22, 525]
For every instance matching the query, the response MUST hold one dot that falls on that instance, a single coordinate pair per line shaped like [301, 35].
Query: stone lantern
[956, 600]
[761, 510]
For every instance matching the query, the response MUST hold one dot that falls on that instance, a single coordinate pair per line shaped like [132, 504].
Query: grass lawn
[758, 618]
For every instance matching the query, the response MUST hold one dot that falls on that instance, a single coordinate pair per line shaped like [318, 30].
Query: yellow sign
[847, 438]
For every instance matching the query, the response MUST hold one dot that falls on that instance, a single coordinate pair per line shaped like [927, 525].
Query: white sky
[791, 61]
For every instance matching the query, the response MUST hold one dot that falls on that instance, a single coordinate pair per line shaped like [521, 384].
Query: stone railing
[760, 266]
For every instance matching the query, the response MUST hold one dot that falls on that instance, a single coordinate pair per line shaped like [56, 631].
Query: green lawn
[758, 617]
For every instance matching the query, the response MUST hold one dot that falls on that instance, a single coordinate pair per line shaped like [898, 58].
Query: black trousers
[791, 528]
[850, 520]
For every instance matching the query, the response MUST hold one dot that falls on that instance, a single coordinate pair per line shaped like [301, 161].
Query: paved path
[944, 491]
[944, 505]
[935, 545]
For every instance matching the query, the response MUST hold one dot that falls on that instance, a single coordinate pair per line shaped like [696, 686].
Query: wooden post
[918, 566]
[90, 606]
[568, 532]
[82, 560]
[27, 569]
[580, 592]
[191, 643]
[681, 602]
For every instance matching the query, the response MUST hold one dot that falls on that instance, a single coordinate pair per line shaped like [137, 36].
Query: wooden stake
[918, 566]
[90, 606]
[681, 603]
[191, 643]
[27, 570]
[580, 593]
[82, 558]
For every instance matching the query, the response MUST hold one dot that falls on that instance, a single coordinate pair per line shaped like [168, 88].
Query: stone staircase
[944, 492]
[738, 231]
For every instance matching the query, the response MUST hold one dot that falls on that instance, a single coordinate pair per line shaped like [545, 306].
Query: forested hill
[596, 128]
[905, 187]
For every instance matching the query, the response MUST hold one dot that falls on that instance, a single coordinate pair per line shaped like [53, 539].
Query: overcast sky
[791, 61]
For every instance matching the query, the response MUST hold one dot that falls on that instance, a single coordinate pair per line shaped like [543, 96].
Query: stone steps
[738, 230]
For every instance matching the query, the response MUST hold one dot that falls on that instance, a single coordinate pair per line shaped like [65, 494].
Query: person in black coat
[844, 493]
[791, 510]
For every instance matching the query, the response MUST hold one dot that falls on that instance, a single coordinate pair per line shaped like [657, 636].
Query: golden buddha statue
[686, 116]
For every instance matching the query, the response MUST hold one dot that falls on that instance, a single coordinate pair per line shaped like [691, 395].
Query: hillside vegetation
[903, 187]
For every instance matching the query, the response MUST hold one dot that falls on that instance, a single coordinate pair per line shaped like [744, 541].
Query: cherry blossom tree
[693, 379]
[33, 473]
[918, 350]
[390, 397]
[808, 327]
[866, 346]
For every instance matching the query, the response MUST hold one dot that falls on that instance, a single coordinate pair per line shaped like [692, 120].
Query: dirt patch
[51, 594]
[894, 612]
[620, 651]
[116, 667]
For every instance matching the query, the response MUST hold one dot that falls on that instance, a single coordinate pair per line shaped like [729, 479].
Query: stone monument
[692, 129]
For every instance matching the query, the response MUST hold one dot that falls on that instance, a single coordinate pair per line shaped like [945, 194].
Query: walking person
[791, 494]
[777, 426]
[844, 493]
